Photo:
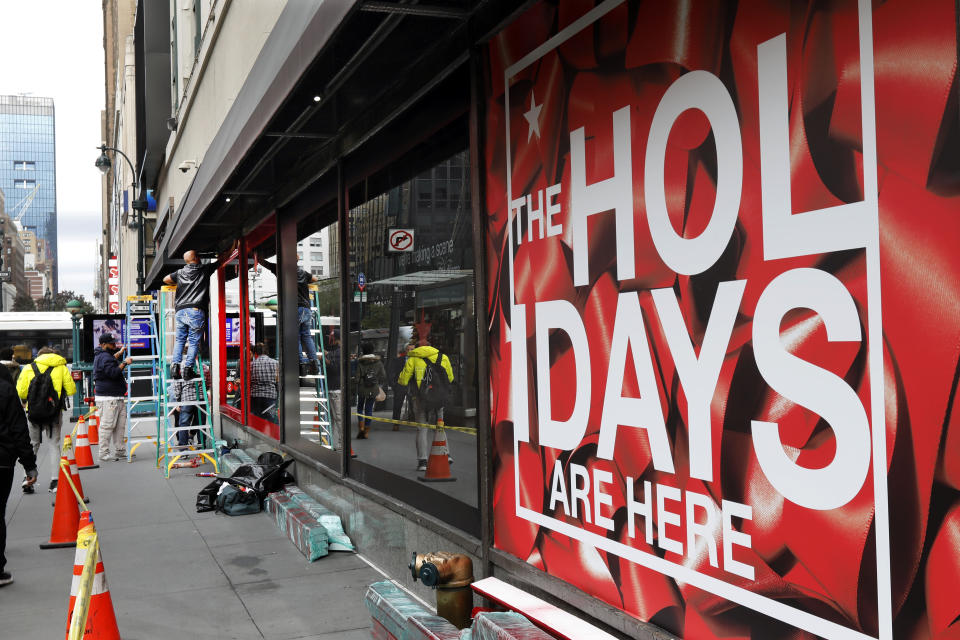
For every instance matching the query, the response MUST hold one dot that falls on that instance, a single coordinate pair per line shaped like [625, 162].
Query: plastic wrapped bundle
[228, 464]
[506, 625]
[243, 456]
[390, 607]
[339, 541]
[429, 628]
[299, 525]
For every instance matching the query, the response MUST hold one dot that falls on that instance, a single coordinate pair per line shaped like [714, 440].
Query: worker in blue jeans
[193, 296]
[309, 359]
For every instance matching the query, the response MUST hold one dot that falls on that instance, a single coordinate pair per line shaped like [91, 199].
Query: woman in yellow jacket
[413, 370]
[63, 383]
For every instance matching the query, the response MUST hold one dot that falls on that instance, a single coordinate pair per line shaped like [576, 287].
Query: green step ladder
[169, 451]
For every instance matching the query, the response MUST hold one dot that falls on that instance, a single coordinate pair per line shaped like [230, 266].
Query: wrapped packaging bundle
[402, 617]
[339, 541]
[299, 525]
[506, 625]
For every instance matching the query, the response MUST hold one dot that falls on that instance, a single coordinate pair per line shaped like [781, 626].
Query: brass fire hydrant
[451, 575]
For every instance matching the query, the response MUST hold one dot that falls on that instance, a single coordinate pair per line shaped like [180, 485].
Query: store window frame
[287, 230]
[242, 254]
[433, 500]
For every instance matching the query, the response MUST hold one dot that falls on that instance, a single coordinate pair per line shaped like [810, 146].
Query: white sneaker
[105, 456]
[422, 465]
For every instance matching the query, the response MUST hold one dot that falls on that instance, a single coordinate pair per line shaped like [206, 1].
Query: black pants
[6, 481]
[399, 393]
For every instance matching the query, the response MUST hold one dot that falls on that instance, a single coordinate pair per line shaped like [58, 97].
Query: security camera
[186, 165]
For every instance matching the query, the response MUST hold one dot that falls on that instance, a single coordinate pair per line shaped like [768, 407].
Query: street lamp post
[76, 315]
[139, 206]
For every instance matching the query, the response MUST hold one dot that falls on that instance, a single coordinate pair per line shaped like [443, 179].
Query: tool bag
[237, 500]
[268, 475]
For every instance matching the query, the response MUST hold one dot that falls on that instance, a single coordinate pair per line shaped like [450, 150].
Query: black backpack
[435, 386]
[368, 379]
[43, 401]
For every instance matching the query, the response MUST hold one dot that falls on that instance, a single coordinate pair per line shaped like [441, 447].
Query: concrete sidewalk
[175, 573]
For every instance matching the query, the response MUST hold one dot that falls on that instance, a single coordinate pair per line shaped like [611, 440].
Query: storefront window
[317, 427]
[412, 306]
[263, 370]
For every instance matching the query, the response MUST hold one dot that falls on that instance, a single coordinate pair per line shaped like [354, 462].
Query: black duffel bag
[268, 475]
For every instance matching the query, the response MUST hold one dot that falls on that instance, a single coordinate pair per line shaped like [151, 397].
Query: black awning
[302, 30]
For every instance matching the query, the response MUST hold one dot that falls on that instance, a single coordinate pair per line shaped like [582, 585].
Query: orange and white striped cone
[93, 427]
[438, 464]
[101, 619]
[74, 472]
[66, 514]
[84, 456]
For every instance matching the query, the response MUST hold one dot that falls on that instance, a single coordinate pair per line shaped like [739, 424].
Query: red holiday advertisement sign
[724, 301]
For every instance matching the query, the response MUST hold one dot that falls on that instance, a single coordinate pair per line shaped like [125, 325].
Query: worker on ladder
[309, 359]
[193, 296]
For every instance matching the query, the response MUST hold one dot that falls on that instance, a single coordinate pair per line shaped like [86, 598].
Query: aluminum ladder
[141, 409]
[315, 411]
[170, 451]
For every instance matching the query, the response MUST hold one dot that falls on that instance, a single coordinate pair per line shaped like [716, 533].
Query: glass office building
[28, 169]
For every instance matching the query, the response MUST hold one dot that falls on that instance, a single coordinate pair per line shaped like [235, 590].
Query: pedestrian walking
[428, 376]
[370, 378]
[45, 385]
[191, 301]
[14, 445]
[264, 373]
[309, 358]
[110, 387]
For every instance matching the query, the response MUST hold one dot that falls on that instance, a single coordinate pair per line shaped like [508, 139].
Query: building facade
[704, 349]
[28, 170]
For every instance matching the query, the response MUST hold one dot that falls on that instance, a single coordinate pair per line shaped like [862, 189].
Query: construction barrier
[90, 610]
[74, 471]
[84, 455]
[438, 464]
[66, 514]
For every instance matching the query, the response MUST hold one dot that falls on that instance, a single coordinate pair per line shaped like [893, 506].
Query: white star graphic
[533, 118]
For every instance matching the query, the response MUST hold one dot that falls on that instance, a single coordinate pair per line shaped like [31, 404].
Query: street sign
[76, 375]
[361, 282]
[400, 240]
[359, 297]
[5, 276]
[140, 308]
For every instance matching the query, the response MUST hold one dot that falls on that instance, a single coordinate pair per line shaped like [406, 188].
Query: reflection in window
[417, 305]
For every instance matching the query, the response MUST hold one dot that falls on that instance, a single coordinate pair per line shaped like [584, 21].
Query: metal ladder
[315, 411]
[141, 409]
[170, 450]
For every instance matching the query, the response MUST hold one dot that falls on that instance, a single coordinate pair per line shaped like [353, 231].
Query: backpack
[43, 401]
[368, 378]
[435, 386]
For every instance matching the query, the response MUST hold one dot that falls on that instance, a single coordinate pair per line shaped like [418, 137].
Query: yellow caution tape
[404, 423]
[76, 425]
[86, 538]
[66, 473]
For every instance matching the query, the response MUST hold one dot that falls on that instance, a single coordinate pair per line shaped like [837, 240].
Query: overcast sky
[54, 48]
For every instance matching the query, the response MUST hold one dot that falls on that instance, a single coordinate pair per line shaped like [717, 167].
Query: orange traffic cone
[74, 472]
[84, 456]
[93, 426]
[66, 514]
[101, 620]
[438, 464]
